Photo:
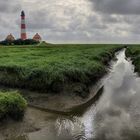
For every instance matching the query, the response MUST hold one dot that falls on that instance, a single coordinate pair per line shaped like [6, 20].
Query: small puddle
[116, 115]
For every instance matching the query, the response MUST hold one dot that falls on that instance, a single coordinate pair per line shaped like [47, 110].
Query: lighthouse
[23, 26]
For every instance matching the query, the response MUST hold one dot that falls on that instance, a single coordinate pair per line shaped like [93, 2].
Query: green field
[50, 68]
[134, 52]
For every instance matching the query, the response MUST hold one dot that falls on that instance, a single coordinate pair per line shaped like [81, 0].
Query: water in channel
[115, 116]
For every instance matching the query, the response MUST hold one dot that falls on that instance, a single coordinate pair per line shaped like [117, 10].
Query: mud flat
[34, 121]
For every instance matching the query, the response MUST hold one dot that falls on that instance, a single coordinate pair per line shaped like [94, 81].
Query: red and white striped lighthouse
[23, 26]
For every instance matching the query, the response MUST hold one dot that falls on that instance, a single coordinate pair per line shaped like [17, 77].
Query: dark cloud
[8, 6]
[117, 6]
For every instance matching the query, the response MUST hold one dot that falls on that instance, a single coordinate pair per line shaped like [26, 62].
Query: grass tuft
[12, 105]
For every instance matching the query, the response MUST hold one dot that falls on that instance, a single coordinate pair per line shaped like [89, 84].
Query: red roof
[37, 37]
[10, 37]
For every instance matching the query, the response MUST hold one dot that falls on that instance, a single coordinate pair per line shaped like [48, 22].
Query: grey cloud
[9, 6]
[73, 21]
[117, 6]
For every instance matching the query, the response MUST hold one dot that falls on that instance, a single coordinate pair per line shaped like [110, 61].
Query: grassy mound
[43, 44]
[134, 53]
[12, 105]
[50, 68]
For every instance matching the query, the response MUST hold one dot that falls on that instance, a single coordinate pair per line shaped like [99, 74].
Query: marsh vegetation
[51, 68]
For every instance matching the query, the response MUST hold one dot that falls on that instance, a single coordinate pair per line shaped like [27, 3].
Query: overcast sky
[74, 21]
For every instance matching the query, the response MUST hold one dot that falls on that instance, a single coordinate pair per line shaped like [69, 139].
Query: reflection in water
[70, 128]
[116, 116]
[117, 113]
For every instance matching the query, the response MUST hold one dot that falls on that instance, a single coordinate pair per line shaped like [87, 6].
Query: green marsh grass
[50, 68]
[134, 52]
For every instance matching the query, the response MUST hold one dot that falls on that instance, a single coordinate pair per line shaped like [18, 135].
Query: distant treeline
[19, 42]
